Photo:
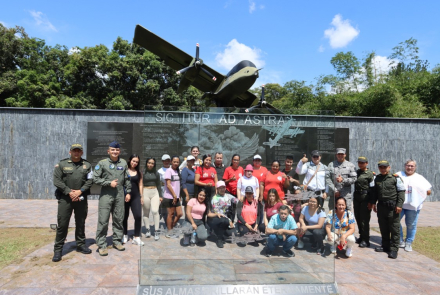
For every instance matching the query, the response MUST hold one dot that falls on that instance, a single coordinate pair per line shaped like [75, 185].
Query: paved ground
[366, 272]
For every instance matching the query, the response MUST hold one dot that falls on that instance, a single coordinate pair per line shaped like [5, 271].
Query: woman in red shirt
[206, 177]
[272, 205]
[274, 179]
[232, 174]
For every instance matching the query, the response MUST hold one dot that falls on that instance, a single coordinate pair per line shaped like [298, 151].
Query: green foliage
[128, 77]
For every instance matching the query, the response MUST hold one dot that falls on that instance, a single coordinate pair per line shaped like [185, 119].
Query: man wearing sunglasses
[343, 173]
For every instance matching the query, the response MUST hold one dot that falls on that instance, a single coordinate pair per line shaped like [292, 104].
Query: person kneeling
[282, 231]
[248, 215]
[196, 211]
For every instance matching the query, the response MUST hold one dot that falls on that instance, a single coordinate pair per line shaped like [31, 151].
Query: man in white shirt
[417, 188]
[316, 181]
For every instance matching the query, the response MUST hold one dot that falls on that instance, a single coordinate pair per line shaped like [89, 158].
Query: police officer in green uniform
[112, 175]
[389, 193]
[73, 179]
[362, 185]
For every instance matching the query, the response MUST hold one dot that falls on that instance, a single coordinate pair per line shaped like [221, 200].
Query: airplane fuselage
[237, 81]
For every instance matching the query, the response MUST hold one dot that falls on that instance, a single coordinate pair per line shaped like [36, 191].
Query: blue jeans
[411, 224]
[273, 241]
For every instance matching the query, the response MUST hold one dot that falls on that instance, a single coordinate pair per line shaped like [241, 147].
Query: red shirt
[271, 210]
[207, 175]
[229, 173]
[275, 181]
[260, 173]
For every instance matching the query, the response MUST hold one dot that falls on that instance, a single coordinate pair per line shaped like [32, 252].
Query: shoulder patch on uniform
[97, 167]
[57, 165]
[396, 175]
[374, 173]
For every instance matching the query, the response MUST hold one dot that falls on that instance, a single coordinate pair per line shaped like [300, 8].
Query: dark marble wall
[34, 140]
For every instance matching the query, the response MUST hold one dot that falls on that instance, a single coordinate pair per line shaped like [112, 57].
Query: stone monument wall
[34, 140]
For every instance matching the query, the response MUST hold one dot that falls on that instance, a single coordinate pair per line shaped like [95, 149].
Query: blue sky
[291, 40]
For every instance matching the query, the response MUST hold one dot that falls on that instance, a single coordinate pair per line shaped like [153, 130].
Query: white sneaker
[300, 244]
[147, 234]
[125, 239]
[156, 237]
[349, 252]
[333, 248]
[408, 247]
[402, 244]
[137, 241]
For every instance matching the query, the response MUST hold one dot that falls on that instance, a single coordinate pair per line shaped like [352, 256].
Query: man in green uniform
[389, 193]
[73, 179]
[362, 185]
[112, 175]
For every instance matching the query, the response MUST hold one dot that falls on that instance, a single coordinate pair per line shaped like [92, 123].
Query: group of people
[212, 195]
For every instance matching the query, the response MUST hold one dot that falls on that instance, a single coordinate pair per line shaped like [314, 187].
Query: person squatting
[239, 205]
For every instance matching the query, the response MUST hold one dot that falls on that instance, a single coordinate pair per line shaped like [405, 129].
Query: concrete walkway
[366, 272]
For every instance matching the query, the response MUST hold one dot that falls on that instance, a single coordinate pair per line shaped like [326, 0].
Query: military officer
[343, 174]
[362, 185]
[73, 179]
[389, 193]
[112, 175]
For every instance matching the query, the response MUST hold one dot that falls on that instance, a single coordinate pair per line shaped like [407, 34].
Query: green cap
[383, 163]
[76, 146]
[363, 159]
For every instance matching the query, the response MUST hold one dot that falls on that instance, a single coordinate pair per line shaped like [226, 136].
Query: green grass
[427, 242]
[15, 243]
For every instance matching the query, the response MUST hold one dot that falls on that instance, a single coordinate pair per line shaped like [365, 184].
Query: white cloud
[341, 33]
[4, 24]
[268, 76]
[251, 6]
[321, 48]
[382, 65]
[74, 50]
[42, 21]
[236, 52]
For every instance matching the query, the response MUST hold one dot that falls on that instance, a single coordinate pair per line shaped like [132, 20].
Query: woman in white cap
[220, 213]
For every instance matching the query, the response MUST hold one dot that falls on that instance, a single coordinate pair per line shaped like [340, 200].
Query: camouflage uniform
[112, 199]
[347, 170]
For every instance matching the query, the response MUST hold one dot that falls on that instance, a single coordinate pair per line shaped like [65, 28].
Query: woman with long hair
[206, 177]
[272, 205]
[171, 195]
[152, 196]
[343, 223]
[196, 211]
[135, 202]
[312, 225]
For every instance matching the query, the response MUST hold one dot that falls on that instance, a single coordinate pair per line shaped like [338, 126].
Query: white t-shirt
[161, 172]
[416, 187]
[243, 182]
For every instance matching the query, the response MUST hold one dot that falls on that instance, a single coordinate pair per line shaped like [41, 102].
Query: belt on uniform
[318, 192]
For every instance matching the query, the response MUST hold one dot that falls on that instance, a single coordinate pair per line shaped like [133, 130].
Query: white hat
[257, 157]
[166, 157]
[189, 158]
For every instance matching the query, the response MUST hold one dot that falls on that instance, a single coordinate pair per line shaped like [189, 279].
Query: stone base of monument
[297, 289]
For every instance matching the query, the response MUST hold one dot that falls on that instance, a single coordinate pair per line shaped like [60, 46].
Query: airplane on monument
[231, 90]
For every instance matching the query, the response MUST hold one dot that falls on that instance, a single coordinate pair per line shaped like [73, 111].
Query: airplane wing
[175, 58]
[270, 128]
[245, 100]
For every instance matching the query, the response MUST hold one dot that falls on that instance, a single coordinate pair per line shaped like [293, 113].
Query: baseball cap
[249, 189]
[166, 157]
[76, 146]
[363, 159]
[189, 158]
[257, 157]
[383, 163]
[315, 153]
[340, 151]
[220, 183]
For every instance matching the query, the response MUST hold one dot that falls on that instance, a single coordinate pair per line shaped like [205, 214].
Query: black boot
[56, 256]
[83, 249]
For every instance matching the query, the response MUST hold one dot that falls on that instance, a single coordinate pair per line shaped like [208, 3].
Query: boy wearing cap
[389, 193]
[364, 183]
[112, 175]
[73, 179]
